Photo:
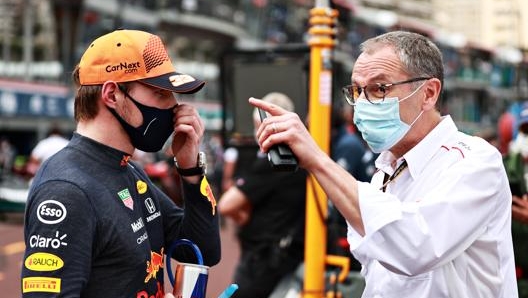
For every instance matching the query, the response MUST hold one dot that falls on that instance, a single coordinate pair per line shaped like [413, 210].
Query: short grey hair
[419, 56]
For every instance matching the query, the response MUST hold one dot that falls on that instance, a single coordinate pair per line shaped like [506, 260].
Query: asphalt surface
[12, 251]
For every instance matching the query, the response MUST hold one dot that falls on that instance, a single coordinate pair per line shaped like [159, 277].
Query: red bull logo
[206, 191]
[154, 265]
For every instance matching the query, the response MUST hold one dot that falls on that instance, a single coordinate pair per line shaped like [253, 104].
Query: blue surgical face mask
[380, 124]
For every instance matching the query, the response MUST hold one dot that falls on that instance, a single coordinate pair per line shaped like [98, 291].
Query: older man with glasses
[435, 219]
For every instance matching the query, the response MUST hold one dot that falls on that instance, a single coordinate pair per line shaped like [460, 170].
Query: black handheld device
[280, 156]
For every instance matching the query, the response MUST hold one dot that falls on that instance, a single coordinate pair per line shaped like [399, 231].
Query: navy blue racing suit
[96, 226]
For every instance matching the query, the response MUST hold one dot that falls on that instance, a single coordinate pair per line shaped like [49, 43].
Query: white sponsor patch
[142, 238]
[48, 242]
[153, 216]
[137, 225]
[51, 212]
[177, 80]
[150, 205]
[151, 208]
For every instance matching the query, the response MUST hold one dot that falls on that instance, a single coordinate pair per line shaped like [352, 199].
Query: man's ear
[109, 92]
[432, 92]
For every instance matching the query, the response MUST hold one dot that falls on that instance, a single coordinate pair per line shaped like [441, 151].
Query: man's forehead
[371, 78]
[379, 66]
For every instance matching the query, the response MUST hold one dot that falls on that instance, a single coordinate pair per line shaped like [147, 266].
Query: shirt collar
[418, 157]
[111, 157]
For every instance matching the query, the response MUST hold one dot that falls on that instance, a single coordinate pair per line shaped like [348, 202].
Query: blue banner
[16, 102]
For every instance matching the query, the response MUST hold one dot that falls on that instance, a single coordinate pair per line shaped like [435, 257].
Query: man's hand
[520, 208]
[188, 133]
[286, 127]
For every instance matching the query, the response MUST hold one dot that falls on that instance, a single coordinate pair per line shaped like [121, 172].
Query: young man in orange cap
[95, 225]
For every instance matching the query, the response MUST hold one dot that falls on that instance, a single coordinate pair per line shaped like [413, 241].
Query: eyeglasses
[374, 93]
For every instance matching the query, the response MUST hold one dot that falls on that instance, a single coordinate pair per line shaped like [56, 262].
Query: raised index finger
[272, 109]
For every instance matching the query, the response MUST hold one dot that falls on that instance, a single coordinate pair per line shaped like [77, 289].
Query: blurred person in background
[7, 157]
[230, 158]
[516, 165]
[95, 224]
[45, 148]
[505, 131]
[520, 143]
[435, 220]
[268, 208]
[516, 162]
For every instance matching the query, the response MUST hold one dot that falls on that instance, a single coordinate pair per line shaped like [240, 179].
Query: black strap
[191, 172]
[388, 179]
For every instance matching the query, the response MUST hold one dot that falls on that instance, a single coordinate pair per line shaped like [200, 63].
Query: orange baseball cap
[132, 55]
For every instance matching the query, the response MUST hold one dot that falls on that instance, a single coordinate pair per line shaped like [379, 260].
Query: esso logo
[51, 212]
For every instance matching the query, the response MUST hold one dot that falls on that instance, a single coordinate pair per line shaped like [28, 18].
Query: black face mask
[157, 126]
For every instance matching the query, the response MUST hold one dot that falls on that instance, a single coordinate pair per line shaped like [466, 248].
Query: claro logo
[48, 242]
[51, 212]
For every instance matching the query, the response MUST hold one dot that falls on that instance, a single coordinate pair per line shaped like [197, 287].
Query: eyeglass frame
[350, 98]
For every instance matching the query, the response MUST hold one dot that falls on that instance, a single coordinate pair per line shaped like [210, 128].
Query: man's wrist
[199, 170]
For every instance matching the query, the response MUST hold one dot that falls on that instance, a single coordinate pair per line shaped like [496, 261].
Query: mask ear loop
[416, 119]
[421, 112]
[412, 93]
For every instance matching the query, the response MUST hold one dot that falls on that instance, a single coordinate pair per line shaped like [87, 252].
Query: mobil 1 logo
[51, 212]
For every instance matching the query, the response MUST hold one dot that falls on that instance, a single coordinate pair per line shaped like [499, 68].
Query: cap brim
[175, 82]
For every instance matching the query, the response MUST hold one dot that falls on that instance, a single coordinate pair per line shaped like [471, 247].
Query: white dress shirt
[443, 226]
